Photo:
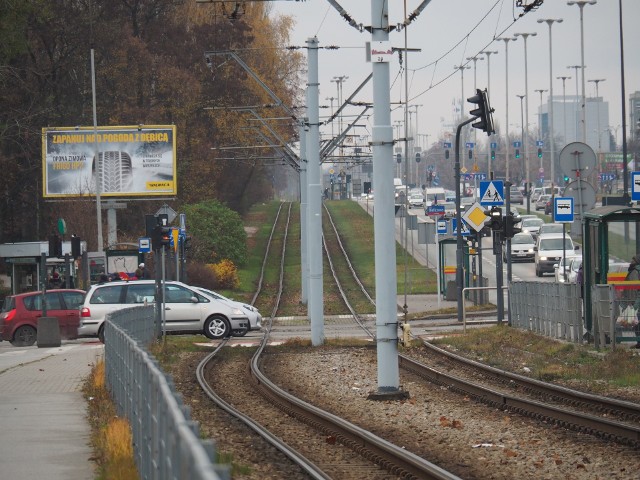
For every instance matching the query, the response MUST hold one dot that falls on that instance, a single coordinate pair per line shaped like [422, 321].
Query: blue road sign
[435, 210]
[447, 144]
[144, 245]
[563, 209]
[480, 176]
[469, 144]
[441, 227]
[517, 144]
[604, 177]
[492, 192]
[635, 186]
[464, 228]
[494, 145]
[539, 143]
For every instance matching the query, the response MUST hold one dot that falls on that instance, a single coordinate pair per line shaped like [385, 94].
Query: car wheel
[101, 333]
[216, 327]
[24, 336]
[538, 272]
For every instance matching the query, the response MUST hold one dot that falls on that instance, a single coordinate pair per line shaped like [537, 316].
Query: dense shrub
[226, 274]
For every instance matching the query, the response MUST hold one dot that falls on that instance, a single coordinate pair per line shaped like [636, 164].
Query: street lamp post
[339, 81]
[525, 140]
[597, 82]
[564, 78]
[506, 41]
[575, 126]
[550, 22]
[581, 4]
[488, 53]
[540, 91]
[526, 176]
[462, 68]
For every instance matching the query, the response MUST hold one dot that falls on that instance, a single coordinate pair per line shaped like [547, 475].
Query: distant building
[567, 117]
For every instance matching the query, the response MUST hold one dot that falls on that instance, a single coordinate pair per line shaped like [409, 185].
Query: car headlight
[237, 311]
[544, 258]
[251, 308]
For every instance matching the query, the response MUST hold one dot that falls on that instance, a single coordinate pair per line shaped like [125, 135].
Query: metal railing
[615, 317]
[547, 308]
[166, 441]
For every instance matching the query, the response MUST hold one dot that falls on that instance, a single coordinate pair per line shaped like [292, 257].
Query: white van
[549, 251]
[434, 195]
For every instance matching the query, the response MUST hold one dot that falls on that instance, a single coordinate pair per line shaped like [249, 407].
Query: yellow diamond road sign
[475, 216]
[463, 170]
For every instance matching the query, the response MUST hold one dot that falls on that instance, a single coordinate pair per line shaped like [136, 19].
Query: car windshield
[521, 239]
[552, 228]
[532, 222]
[555, 244]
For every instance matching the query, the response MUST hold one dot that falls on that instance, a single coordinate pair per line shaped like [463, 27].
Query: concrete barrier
[48, 332]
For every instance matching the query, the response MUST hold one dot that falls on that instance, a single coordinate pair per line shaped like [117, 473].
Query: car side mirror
[194, 299]
[577, 247]
[535, 249]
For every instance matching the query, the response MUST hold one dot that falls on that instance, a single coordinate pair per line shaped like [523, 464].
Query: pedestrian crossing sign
[492, 193]
[464, 228]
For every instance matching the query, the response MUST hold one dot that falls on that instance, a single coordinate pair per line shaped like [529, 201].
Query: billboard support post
[96, 153]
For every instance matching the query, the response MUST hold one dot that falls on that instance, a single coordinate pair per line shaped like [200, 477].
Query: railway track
[315, 432]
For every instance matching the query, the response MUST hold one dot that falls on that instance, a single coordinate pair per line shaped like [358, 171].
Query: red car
[20, 313]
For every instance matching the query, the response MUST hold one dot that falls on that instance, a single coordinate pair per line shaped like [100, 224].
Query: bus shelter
[611, 238]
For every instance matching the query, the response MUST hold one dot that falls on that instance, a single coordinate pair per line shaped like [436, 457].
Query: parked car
[20, 314]
[564, 265]
[516, 195]
[255, 319]
[551, 228]
[542, 202]
[187, 310]
[549, 250]
[521, 248]
[531, 226]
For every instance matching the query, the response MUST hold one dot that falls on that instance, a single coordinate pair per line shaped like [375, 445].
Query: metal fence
[547, 308]
[615, 315]
[167, 444]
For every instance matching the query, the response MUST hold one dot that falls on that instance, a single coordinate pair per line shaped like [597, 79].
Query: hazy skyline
[448, 32]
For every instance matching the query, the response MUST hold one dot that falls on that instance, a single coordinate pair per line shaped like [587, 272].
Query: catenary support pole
[304, 195]
[316, 306]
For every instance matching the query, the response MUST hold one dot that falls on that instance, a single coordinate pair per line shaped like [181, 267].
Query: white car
[531, 226]
[522, 248]
[416, 200]
[187, 310]
[255, 319]
[549, 250]
[564, 265]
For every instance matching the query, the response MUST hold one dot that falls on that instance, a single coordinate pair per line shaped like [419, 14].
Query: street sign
[475, 216]
[517, 144]
[168, 211]
[605, 177]
[480, 176]
[441, 227]
[435, 210]
[539, 143]
[492, 192]
[464, 228]
[563, 209]
[635, 182]
[469, 144]
[494, 145]
[144, 245]
[447, 144]
[577, 159]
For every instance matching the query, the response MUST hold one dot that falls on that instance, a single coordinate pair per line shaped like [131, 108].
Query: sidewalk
[44, 431]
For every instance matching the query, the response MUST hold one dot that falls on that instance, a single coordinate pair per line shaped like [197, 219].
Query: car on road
[521, 248]
[416, 200]
[516, 196]
[564, 265]
[551, 228]
[531, 226]
[187, 310]
[542, 202]
[20, 314]
[255, 319]
[549, 250]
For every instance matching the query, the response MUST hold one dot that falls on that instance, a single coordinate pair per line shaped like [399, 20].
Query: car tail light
[8, 316]
[85, 312]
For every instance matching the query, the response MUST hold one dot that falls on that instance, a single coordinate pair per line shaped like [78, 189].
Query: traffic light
[539, 153]
[510, 228]
[566, 179]
[399, 157]
[482, 112]
[495, 218]
[55, 246]
[470, 154]
[446, 154]
[418, 157]
[165, 236]
[517, 153]
[493, 154]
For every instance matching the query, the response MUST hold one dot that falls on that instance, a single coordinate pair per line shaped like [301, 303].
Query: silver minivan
[187, 310]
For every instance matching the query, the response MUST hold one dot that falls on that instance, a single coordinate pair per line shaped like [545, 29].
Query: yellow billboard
[120, 161]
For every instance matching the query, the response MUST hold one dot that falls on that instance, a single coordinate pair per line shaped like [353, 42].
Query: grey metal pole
[462, 68]
[384, 214]
[540, 91]
[506, 41]
[525, 126]
[552, 142]
[316, 305]
[575, 103]
[304, 199]
[488, 54]
[97, 156]
[564, 78]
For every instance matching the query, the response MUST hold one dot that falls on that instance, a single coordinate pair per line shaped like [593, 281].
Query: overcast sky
[449, 31]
